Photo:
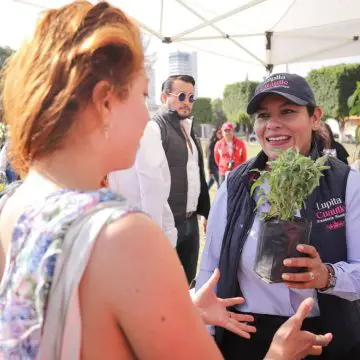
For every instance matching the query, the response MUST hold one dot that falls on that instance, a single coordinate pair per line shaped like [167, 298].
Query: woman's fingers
[240, 329]
[319, 341]
[213, 280]
[299, 262]
[242, 317]
[232, 301]
[315, 350]
[245, 327]
[308, 250]
[300, 277]
[234, 329]
[323, 340]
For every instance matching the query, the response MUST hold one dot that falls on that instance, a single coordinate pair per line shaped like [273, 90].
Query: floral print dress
[30, 264]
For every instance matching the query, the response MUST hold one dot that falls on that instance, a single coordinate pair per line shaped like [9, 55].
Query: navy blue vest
[326, 209]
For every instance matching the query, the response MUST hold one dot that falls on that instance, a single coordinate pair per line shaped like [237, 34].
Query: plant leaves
[292, 178]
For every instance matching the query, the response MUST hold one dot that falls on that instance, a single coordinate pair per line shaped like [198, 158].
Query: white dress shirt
[147, 184]
[192, 169]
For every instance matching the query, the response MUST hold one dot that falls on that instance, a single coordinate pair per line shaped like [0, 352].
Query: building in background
[184, 63]
[150, 70]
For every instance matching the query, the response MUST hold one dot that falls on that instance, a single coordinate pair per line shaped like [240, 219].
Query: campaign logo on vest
[331, 213]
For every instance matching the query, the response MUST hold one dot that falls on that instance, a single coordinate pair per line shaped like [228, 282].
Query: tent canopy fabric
[263, 32]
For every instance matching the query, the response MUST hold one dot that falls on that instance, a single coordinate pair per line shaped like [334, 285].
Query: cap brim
[256, 100]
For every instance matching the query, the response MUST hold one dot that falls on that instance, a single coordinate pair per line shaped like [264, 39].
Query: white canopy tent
[262, 32]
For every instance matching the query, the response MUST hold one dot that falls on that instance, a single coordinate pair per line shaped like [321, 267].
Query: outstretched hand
[290, 343]
[213, 310]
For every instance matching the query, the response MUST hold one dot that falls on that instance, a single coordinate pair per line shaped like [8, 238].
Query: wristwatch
[332, 277]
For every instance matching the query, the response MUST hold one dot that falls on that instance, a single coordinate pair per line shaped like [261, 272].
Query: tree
[244, 119]
[3, 134]
[5, 52]
[236, 97]
[354, 101]
[202, 111]
[332, 86]
[247, 123]
[218, 112]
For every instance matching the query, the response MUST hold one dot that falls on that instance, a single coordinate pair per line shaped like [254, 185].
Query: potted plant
[291, 178]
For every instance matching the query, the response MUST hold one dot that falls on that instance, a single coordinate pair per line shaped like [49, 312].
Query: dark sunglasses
[182, 96]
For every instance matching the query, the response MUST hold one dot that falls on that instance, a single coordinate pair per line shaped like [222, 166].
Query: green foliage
[3, 134]
[244, 119]
[202, 111]
[357, 135]
[332, 86]
[5, 52]
[236, 97]
[354, 101]
[218, 111]
[292, 177]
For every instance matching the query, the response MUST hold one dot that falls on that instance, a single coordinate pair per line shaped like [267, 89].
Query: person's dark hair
[214, 138]
[310, 109]
[331, 135]
[324, 137]
[168, 83]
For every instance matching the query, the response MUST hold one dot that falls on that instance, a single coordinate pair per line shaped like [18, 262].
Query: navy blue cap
[291, 86]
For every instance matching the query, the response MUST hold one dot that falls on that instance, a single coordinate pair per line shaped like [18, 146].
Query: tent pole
[161, 18]
[218, 18]
[337, 46]
[225, 36]
[29, 3]
[269, 64]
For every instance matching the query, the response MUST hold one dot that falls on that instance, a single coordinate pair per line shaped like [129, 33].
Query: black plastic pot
[277, 241]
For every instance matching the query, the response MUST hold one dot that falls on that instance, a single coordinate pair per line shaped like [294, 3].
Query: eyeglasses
[182, 96]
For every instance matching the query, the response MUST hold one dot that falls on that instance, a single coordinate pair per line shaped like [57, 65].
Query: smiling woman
[287, 117]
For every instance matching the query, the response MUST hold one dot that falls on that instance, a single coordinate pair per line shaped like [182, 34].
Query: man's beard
[183, 117]
[180, 116]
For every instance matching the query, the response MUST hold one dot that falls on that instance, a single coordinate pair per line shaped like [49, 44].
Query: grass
[253, 149]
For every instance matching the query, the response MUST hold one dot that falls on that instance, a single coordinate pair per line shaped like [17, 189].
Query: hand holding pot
[317, 276]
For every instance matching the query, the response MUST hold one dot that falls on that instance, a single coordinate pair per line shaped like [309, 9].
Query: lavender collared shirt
[278, 299]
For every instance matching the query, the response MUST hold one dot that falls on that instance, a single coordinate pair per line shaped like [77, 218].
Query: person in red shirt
[229, 152]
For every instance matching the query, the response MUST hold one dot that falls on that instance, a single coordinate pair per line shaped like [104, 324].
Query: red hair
[52, 76]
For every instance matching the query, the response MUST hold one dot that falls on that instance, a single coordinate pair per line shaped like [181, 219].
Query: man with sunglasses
[189, 196]
[168, 178]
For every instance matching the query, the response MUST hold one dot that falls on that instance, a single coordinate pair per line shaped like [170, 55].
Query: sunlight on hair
[54, 73]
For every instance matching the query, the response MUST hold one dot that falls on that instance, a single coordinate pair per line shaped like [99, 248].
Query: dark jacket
[339, 316]
[176, 151]
[341, 152]
[211, 158]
